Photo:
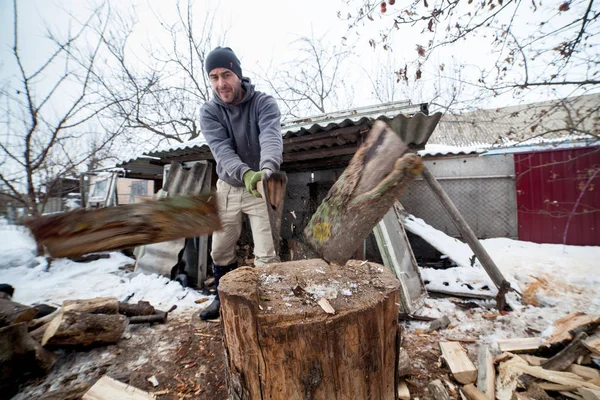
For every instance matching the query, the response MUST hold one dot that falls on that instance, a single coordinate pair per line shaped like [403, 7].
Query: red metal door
[558, 196]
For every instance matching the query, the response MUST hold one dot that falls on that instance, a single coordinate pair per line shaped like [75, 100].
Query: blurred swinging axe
[272, 189]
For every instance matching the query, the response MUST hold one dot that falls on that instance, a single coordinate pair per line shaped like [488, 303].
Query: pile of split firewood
[564, 365]
[28, 338]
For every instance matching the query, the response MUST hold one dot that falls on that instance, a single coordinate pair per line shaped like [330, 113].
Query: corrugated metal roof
[350, 117]
[416, 128]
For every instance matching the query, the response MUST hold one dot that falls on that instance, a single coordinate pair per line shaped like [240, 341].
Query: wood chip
[201, 300]
[325, 305]
[107, 388]
[153, 381]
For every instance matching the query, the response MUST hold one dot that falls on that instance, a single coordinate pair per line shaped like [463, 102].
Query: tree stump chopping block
[281, 343]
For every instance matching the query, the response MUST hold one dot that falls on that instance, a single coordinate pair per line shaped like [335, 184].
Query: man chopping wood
[243, 130]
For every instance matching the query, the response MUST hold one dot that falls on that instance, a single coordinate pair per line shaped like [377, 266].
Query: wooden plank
[110, 389]
[473, 393]
[486, 377]
[459, 363]
[564, 327]
[563, 378]
[593, 343]
[402, 391]
[584, 372]
[520, 344]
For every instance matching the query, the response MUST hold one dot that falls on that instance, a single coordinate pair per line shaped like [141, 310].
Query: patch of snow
[17, 247]
[68, 280]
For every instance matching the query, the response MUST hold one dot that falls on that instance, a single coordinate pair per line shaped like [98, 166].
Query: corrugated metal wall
[549, 185]
[482, 188]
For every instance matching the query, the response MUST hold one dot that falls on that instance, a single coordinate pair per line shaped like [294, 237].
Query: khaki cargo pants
[233, 202]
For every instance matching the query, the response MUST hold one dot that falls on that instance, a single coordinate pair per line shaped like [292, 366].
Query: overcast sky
[259, 31]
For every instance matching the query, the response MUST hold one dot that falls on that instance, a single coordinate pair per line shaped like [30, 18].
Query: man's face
[227, 85]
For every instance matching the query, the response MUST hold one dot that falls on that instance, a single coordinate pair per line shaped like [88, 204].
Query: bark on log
[97, 305]
[375, 177]
[131, 310]
[14, 313]
[568, 355]
[83, 231]
[74, 328]
[20, 355]
[280, 344]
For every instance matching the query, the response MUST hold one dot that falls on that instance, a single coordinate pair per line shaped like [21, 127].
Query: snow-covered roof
[510, 126]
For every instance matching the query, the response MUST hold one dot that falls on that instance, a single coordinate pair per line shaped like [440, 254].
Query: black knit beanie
[223, 57]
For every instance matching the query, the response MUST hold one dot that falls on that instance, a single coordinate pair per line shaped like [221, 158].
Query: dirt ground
[186, 357]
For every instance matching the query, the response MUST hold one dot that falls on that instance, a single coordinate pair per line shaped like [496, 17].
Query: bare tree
[534, 44]
[312, 82]
[49, 111]
[160, 91]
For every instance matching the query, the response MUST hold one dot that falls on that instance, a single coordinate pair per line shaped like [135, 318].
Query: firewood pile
[27, 338]
[565, 365]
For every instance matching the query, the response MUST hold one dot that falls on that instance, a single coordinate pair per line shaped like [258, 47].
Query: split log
[81, 231]
[584, 372]
[107, 388]
[280, 344]
[74, 328]
[560, 377]
[459, 363]
[14, 313]
[132, 310]
[375, 177]
[564, 327]
[20, 355]
[486, 374]
[438, 390]
[97, 305]
[568, 355]
[520, 344]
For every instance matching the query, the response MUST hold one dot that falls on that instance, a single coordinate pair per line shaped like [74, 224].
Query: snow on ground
[551, 281]
[36, 282]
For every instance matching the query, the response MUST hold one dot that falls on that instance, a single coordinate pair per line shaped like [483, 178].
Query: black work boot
[212, 311]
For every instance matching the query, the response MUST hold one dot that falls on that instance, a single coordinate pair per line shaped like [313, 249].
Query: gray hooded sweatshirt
[243, 136]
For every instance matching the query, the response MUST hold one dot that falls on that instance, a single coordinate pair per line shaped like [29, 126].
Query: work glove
[251, 178]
